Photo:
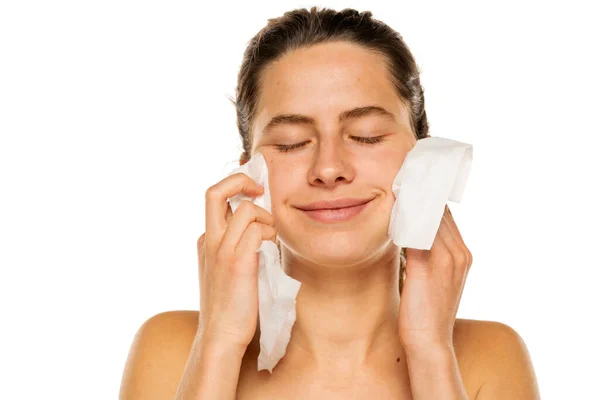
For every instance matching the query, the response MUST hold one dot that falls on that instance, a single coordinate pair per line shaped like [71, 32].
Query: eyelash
[362, 140]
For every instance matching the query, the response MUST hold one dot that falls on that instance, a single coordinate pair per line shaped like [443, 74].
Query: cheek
[283, 183]
[385, 166]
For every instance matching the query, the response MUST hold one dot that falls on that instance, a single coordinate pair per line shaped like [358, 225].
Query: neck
[345, 317]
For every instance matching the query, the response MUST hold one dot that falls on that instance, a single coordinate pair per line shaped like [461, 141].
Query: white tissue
[276, 291]
[434, 171]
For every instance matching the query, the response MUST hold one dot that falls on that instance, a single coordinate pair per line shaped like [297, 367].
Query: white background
[114, 120]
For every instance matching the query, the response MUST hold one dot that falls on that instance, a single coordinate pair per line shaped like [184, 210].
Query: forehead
[323, 80]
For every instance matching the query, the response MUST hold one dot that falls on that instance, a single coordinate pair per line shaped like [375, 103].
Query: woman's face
[318, 85]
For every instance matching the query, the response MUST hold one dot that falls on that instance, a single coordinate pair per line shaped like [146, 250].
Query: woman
[334, 103]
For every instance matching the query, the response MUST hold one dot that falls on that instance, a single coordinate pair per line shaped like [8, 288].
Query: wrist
[429, 350]
[434, 363]
[214, 345]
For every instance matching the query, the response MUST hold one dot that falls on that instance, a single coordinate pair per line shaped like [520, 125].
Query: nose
[331, 165]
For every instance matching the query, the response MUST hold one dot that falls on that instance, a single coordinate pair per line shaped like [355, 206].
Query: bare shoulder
[158, 355]
[495, 356]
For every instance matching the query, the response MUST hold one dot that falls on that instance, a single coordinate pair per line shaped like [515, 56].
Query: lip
[334, 204]
[334, 215]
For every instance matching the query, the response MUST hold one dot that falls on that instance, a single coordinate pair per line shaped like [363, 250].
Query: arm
[212, 371]
[501, 358]
[434, 374]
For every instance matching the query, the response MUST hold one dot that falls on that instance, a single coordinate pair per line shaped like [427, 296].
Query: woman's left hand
[433, 287]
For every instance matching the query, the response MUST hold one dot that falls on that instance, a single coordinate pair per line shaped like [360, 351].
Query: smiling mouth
[334, 215]
[334, 204]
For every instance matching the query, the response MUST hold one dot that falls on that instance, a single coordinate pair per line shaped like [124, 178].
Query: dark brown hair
[303, 28]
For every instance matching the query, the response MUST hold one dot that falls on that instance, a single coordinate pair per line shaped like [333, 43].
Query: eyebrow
[299, 119]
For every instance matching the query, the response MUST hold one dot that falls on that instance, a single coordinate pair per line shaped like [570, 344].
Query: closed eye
[363, 140]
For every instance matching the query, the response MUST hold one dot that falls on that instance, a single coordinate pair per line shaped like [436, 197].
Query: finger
[453, 226]
[441, 255]
[460, 253]
[229, 213]
[250, 242]
[200, 241]
[457, 236]
[244, 215]
[200, 247]
[417, 261]
[201, 257]
[447, 234]
[216, 203]
[421, 260]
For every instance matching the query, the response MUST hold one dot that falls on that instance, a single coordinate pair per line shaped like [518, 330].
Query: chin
[338, 250]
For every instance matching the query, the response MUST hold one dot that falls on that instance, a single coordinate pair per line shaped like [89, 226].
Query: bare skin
[484, 350]
[345, 342]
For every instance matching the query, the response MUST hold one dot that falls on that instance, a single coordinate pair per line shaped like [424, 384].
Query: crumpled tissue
[434, 171]
[276, 290]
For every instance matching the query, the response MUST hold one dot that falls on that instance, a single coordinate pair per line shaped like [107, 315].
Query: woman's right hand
[228, 262]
